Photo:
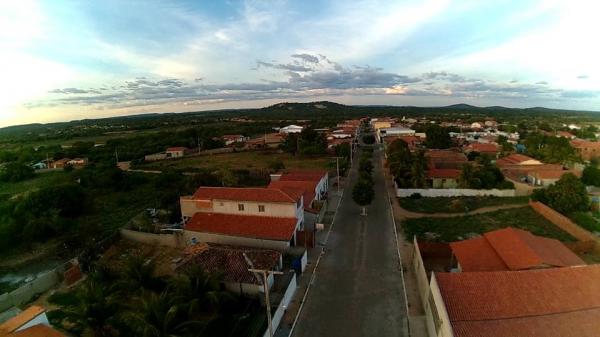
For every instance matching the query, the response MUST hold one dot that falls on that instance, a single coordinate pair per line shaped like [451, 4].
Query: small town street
[358, 286]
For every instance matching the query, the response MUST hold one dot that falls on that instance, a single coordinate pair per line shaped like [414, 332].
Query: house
[314, 184]
[586, 149]
[232, 139]
[269, 140]
[291, 129]
[381, 123]
[490, 149]
[176, 152]
[61, 163]
[257, 217]
[32, 322]
[511, 249]
[40, 165]
[476, 125]
[393, 131]
[414, 142]
[546, 178]
[443, 178]
[231, 263]
[445, 159]
[540, 302]
[517, 159]
[78, 162]
[565, 134]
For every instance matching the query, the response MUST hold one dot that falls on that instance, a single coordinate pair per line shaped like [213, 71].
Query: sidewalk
[304, 280]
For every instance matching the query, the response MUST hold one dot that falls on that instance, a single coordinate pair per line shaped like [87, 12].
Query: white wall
[445, 327]
[452, 192]
[285, 301]
[274, 209]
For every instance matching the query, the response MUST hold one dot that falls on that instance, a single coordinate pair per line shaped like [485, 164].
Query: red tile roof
[246, 194]
[307, 188]
[552, 174]
[176, 149]
[549, 302]
[251, 226]
[303, 175]
[443, 173]
[230, 262]
[21, 319]
[513, 159]
[483, 147]
[512, 249]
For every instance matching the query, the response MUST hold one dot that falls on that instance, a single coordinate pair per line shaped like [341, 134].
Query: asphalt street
[357, 289]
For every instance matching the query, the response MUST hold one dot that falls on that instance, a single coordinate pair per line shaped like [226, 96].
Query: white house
[394, 132]
[291, 129]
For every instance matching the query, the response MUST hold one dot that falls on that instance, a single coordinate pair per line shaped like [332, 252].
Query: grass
[241, 160]
[586, 220]
[456, 204]
[462, 227]
[40, 180]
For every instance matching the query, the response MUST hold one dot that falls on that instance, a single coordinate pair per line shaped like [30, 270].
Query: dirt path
[406, 214]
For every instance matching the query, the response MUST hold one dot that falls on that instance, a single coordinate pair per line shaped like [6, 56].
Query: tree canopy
[550, 149]
[567, 195]
[437, 137]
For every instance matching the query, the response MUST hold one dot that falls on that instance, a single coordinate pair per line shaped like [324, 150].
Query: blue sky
[64, 60]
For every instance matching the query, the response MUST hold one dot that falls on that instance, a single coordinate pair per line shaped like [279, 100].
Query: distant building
[269, 140]
[176, 152]
[490, 149]
[314, 184]
[61, 163]
[394, 132]
[40, 165]
[232, 139]
[77, 162]
[517, 159]
[545, 177]
[445, 159]
[586, 149]
[291, 129]
[565, 134]
[443, 178]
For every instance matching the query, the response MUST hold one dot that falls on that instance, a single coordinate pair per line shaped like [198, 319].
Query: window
[240, 207]
[261, 208]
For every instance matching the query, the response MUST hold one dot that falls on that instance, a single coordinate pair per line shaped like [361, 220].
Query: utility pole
[199, 148]
[265, 273]
[117, 156]
[337, 167]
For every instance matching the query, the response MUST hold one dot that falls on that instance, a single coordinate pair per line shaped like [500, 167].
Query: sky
[65, 60]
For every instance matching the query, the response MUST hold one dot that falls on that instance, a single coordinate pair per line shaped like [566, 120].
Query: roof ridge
[528, 316]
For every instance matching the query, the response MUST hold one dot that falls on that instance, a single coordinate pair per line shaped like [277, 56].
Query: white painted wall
[274, 209]
[445, 328]
[285, 301]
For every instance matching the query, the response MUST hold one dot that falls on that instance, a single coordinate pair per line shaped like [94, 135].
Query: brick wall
[563, 222]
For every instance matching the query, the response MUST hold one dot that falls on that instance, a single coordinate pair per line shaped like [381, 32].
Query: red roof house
[553, 302]
[248, 226]
[512, 249]
[247, 194]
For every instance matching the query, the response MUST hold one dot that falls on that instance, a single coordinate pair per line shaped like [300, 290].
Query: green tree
[15, 171]
[363, 194]
[418, 169]
[368, 139]
[343, 150]
[438, 137]
[550, 149]
[567, 195]
[591, 176]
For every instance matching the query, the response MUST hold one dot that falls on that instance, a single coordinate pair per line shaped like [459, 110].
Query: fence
[41, 284]
[565, 224]
[421, 274]
[452, 192]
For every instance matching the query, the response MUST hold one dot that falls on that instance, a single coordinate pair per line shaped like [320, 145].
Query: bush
[368, 139]
[15, 171]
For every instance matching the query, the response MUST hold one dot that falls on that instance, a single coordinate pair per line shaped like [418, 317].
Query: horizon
[66, 61]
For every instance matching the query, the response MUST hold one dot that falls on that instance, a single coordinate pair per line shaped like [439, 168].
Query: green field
[462, 227]
[40, 180]
[240, 160]
[456, 204]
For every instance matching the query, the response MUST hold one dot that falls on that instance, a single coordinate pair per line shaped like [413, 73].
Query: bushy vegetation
[483, 175]
[456, 204]
[567, 195]
[187, 304]
[407, 168]
[363, 192]
[307, 142]
[550, 149]
[437, 137]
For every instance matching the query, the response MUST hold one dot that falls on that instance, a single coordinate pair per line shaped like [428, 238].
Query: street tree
[363, 194]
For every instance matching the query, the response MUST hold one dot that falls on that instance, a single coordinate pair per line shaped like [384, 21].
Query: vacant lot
[463, 227]
[241, 160]
[456, 204]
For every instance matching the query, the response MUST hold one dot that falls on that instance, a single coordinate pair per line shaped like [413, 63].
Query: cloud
[580, 94]
[289, 66]
[73, 91]
[307, 58]
[582, 77]
[542, 83]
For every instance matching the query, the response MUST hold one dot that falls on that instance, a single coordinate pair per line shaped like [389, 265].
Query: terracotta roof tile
[229, 262]
[550, 302]
[303, 175]
[307, 188]
[22, 318]
[512, 249]
[260, 227]
[443, 173]
[39, 330]
[244, 194]
[176, 149]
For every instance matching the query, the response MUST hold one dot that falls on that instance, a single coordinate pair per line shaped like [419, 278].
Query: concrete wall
[564, 223]
[170, 240]
[452, 192]
[420, 272]
[436, 302]
[443, 183]
[26, 292]
[234, 240]
[285, 301]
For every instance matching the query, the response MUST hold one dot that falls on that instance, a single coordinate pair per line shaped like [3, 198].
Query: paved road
[358, 285]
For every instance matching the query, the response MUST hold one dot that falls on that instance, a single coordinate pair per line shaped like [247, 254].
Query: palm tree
[201, 290]
[95, 312]
[140, 273]
[162, 316]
